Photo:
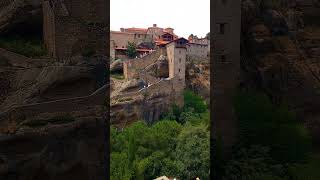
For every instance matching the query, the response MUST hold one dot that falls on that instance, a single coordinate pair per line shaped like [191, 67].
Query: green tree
[262, 123]
[132, 50]
[253, 163]
[193, 153]
[119, 169]
[191, 100]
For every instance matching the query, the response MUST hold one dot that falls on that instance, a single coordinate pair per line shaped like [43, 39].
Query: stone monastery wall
[121, 39]
[77, 27]
[133, 66]
[197, 50]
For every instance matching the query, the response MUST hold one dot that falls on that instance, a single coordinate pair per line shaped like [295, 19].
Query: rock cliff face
[13, 12]
[280, 54]
[198, 77]
[28, 81]
[52, 114]
[55, 152]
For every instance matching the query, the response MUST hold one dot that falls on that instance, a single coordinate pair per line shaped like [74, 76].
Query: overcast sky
[185, 16]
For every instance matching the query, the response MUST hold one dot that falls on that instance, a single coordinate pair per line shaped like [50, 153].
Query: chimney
[154, 25]
[122, 29]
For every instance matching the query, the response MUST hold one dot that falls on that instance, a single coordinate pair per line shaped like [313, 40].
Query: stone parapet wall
[197, 50]
[74, 29]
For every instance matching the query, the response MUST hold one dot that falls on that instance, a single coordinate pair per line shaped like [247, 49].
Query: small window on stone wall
[179, 60]
[223, 58]
[179, 70]
[222, 28]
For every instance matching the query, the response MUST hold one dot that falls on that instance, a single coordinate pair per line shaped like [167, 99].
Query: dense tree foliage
[167, 147]
[263, 123]
[272, 143]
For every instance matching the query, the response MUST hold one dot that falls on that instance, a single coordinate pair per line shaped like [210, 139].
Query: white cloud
[185, 16]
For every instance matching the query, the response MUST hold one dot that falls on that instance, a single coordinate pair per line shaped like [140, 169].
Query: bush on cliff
[29, 48]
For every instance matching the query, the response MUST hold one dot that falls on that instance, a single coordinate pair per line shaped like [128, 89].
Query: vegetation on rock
[168, 147]
[272, 143]
[30, 48]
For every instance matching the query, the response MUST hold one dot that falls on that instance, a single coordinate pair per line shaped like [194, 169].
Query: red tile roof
[160, 42]
[136, 30]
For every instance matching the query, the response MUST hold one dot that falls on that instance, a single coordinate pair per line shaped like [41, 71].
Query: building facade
[197, 50]
[71, 28]
[176, 54]
[225, 68]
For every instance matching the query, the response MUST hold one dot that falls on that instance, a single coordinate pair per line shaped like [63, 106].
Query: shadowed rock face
[285, 64]
[13, 12]
[73, 151]
[35, 143]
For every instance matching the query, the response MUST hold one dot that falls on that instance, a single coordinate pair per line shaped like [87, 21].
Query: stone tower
[73, 28]
[225, 67]
[176, 53]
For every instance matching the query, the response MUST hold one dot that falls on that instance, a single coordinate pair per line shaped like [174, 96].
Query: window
[179, 70]
[179, 51]
[221, 28]
[223, 58]
[179, 60]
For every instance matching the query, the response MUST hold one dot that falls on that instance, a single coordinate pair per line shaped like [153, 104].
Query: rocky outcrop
[285, 64]
[37, 80]
[116, 66]
[13, 12]
[198, 78]
[276, 22]
[55, 152]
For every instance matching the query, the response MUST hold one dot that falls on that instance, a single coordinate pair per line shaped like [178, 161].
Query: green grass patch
[31, 48]
[125, 99]
[62, 119]
[117, 76]
[35, 123]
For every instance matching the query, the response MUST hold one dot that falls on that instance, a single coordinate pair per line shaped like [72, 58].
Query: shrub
[30, 48]
[191, 100]
[61, 119]
[88, 52]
